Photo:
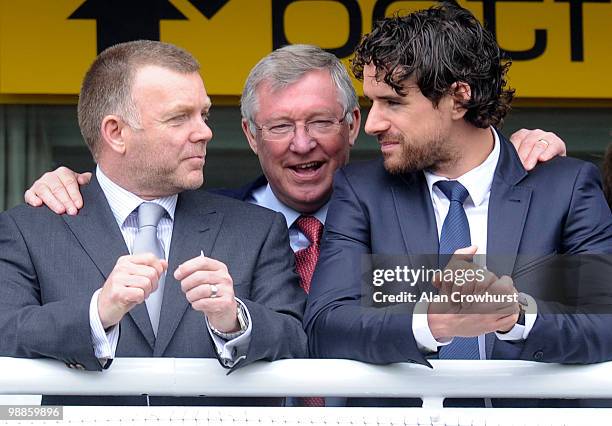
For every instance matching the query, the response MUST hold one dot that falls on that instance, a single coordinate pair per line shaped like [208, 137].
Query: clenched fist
[132, 280]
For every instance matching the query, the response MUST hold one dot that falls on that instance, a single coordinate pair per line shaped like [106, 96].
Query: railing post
[433, 402]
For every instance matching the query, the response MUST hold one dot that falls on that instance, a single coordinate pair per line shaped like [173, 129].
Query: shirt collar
[478, 180]
[265, 197]
[123, 202]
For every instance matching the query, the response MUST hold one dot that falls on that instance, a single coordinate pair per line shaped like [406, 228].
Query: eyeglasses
[318, 128]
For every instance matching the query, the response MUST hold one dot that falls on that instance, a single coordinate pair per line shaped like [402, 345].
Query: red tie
[305, 261]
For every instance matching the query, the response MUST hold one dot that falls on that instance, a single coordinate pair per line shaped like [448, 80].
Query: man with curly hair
[449, 182]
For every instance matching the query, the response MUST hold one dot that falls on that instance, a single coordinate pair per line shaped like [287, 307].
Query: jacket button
[538, 355]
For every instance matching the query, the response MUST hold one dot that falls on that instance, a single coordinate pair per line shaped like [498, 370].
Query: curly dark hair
[607, 175]
[438, 47]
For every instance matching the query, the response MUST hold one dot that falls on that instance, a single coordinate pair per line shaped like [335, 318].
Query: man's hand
[199, 278]
[537, 145]
[58, 190]
[459, 315]
[133, 278]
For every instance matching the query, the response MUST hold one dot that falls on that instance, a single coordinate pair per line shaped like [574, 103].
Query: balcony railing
[311, 377]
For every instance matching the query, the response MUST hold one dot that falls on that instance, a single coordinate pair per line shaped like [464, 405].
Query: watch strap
[243, 320]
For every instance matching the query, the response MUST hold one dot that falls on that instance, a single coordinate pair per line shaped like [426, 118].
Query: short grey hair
[287, 65]
[107, 86]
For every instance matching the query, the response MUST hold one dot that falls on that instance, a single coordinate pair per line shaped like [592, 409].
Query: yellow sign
[560, 47]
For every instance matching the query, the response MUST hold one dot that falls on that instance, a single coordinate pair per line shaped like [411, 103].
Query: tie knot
[149, 214]
[453, 190]
[311, 227]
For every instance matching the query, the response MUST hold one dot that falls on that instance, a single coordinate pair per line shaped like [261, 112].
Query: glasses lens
[278, 133]
[322, 127]
[315, 128]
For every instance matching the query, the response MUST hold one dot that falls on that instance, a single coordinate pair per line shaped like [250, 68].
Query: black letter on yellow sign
[118, 21]
[576, 30]
[539, 46]
[279, 37]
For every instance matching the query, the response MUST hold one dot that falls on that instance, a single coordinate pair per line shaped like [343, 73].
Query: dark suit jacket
[51, 265]
[244, 192]
[556, 208]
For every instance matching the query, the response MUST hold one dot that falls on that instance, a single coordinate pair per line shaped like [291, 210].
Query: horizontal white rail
[315, 377]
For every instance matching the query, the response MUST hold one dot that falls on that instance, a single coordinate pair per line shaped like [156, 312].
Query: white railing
[311, 377]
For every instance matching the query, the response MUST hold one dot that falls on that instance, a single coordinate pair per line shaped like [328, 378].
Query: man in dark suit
[450, 182]
[149, 267]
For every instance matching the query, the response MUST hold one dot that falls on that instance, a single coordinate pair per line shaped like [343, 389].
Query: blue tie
[455, 235]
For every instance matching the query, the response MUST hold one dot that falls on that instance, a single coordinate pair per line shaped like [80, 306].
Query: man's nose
[302, 142]
[202, 133]
[376, 122]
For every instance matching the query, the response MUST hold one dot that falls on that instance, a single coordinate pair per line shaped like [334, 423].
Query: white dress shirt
[264, 197]
[123, 204]
[478, 184]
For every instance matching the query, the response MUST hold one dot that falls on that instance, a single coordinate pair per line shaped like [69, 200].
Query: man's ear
[460, 93]
[112, 129]
[354, 126]
[250, 136]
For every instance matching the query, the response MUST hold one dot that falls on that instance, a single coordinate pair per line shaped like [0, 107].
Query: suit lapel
[508, 207]
[97, 231]
[196, 226]
[415, 214]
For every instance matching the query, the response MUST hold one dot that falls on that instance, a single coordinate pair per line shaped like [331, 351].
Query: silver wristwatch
[243, 320]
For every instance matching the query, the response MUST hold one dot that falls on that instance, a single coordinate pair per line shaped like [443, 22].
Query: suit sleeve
[339, 319]
[276, 302]
[31, 327]
[577, 332]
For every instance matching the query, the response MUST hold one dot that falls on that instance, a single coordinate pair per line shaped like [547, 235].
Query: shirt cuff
[232, 351]
[521, 332]
[104, 342]
[426, 342]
